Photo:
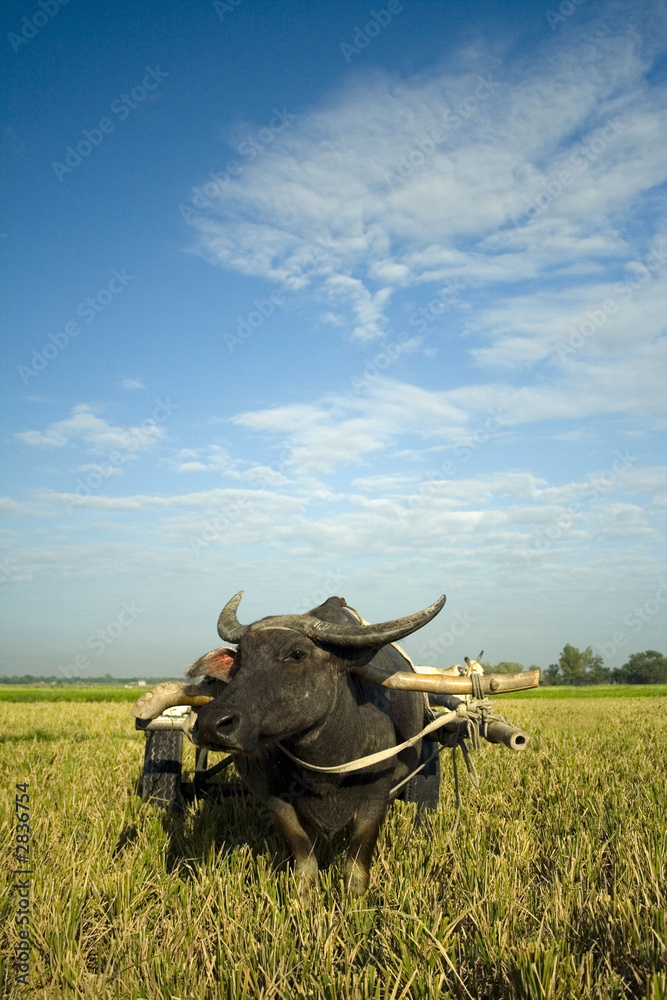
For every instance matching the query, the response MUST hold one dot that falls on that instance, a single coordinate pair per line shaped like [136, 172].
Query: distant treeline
[80, 681]
[580, 667]
[574, 666]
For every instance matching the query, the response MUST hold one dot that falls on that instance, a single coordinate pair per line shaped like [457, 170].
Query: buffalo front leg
[289, 825]
[364, 836]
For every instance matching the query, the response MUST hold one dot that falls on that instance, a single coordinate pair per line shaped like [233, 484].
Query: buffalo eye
[297, 655]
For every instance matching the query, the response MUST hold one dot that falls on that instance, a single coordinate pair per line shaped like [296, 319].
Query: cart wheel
[424, 788]
[162, 767]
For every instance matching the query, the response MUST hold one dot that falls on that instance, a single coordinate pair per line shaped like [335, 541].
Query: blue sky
[332, 299]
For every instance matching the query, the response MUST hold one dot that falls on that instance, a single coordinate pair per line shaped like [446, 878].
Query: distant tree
[599, 675]
[572, 665]
[504, 667]
[649, 667]
[551, 675]
[580, 667]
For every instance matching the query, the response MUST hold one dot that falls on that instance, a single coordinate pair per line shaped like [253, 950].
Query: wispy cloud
[345, 430]
[210, 458]
[503, 516]
[510, 174]
[85, 427]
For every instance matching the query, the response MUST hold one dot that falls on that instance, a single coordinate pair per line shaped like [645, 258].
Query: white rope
[376, 758]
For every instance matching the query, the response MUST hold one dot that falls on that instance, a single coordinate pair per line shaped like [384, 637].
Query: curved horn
[446, 684]
[168, 695]
[358, 636]
[229, 627]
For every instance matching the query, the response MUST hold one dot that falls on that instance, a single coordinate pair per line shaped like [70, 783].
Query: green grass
[117, 692]
[597, 691]
[553, 886]
[82, 693]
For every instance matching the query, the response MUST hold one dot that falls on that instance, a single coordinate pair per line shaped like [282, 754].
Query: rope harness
[472, 718]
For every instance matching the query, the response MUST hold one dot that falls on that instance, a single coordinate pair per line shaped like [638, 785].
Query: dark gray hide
[324, 715]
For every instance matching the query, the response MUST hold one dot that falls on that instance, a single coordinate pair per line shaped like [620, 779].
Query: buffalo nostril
[227, 724]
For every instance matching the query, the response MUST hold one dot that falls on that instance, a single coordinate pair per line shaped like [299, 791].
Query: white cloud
[204, 500]
[451, 175]
[345, 430]
[105, 470]
[389, 543]
[279, 418]
[10, 506]
[580, 323]
[94, 432]
[210, 458]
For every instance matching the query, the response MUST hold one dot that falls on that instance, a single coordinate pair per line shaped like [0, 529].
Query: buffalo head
[288, 673]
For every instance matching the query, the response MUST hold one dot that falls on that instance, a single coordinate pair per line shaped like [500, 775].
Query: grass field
[83, 693]
[553, 886]
[596, 691]
[117, 692]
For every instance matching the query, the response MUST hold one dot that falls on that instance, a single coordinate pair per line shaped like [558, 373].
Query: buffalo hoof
[306, 872]
[356, 878]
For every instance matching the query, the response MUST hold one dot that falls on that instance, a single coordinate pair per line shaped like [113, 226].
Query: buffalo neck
[346, 732]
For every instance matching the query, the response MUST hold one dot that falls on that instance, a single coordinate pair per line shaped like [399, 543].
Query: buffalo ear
[219, 663]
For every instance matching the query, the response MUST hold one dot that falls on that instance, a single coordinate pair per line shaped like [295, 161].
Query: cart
[164, 782]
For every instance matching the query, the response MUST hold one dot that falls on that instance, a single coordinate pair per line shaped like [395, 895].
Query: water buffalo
[296, 689]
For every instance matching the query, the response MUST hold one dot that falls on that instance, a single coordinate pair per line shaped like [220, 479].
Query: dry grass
[554, 885]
